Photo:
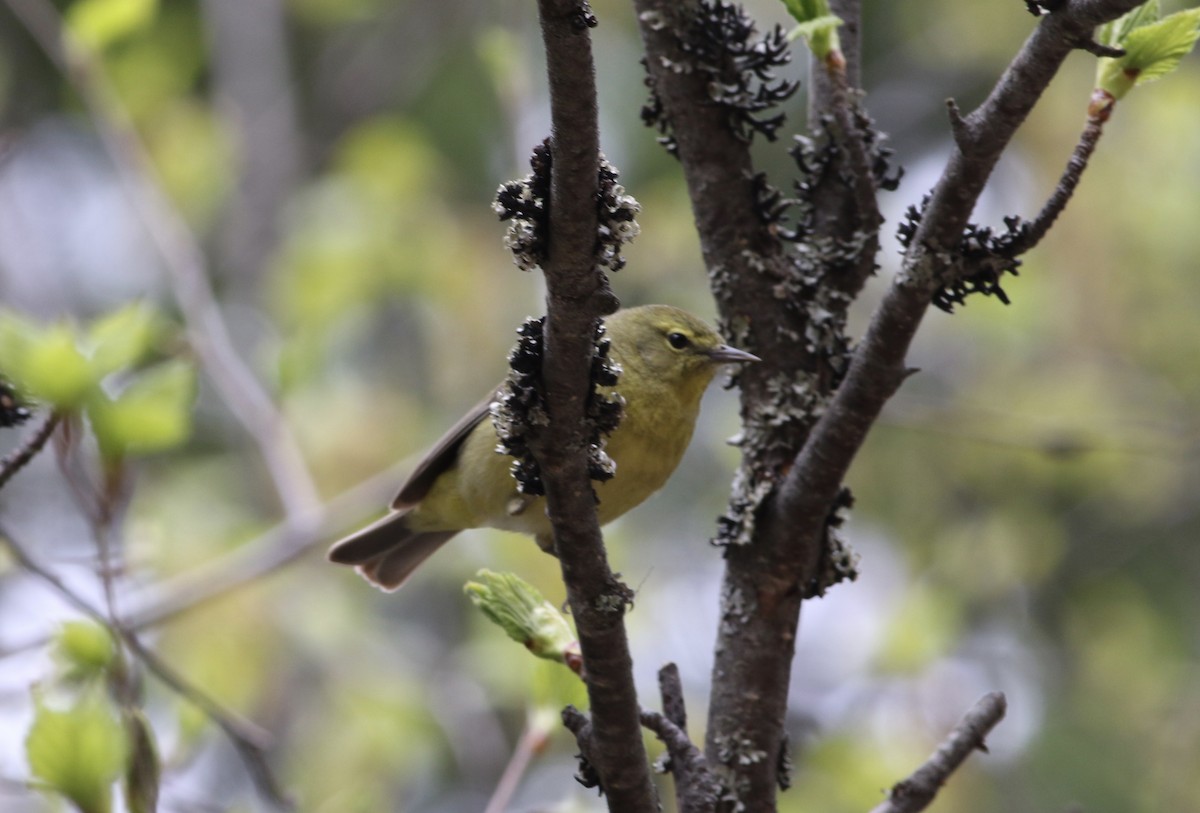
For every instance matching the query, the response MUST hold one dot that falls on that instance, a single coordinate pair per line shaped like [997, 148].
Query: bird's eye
[678, 340]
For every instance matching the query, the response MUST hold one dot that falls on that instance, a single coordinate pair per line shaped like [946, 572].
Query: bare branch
[1065, 188]
[534, 738]
[253, 90]
[280, 546]
[670, 688]
[274, 550]
[1097, 49]
[696, 789]
[877, 368]
[183, 257]
[577, 295]
[917, 791]
[796, 472]
[958, 127]
[20, 456]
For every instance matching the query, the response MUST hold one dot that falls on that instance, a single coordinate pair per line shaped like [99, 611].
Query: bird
[667, 357]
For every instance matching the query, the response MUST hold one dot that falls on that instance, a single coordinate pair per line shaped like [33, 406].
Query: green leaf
[804, 11]
[524, 614]
[52, 368]
[1156, 50]
[100, 23]
[78, 752]
[817, 24]
[123, 338]
[1112, 33]
[1152, 50]
[152, 414]
[87, 648]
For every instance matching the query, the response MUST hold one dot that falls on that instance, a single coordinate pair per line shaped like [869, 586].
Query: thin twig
[20, 456]
[278, 547]
[250, 740]
[862, 179]
[1098, 49]
[696, 789]
[282, 545]
[180, 250]
[917, 791]
[532, 742]
[1066, 185]
[670, 688]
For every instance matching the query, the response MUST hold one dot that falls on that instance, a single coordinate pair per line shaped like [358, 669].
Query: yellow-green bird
[667, 358]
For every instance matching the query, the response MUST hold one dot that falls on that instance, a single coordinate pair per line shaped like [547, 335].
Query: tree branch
[20, 456]
[917, 791]
[534, 738]
[696, 789]
[577, 296]
[1065, 188]
[877, 367]
[790, 475]
[758, 289]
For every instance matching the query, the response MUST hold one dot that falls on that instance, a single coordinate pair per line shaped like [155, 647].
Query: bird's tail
[387, 551]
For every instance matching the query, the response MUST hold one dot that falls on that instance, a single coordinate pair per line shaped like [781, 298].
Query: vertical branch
[577, 296]
[252, 89]
[750, 274]
[795, 456]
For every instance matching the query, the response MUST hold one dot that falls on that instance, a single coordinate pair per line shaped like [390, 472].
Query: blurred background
[1028, 509]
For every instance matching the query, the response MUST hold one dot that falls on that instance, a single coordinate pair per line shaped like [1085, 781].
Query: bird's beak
[724, 354]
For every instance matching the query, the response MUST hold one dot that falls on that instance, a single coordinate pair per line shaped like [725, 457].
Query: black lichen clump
[719, 39]
[839, 562]
[587, 775]
[582, 17]
[1039, 7]
[878, 153]
[526, 205]
[13, 410]
[616, 218]
[519, 410]
[655, 117]
[982, 259]
[819, 155]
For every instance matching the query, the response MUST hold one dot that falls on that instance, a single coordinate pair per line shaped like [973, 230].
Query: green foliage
[817, 24]
[1153, 47]
[102, 23]
[150, 415]
[524, 614]
[70, 369]
[79, 752]
[44, 361]
[86, 648]
[123, 338]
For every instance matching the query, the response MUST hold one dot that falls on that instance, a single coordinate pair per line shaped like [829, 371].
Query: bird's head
[669, 346]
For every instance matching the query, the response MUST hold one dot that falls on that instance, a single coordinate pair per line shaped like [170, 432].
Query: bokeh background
[1028, 507]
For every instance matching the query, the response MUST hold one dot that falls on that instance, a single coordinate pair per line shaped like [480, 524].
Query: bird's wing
[441, 457]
